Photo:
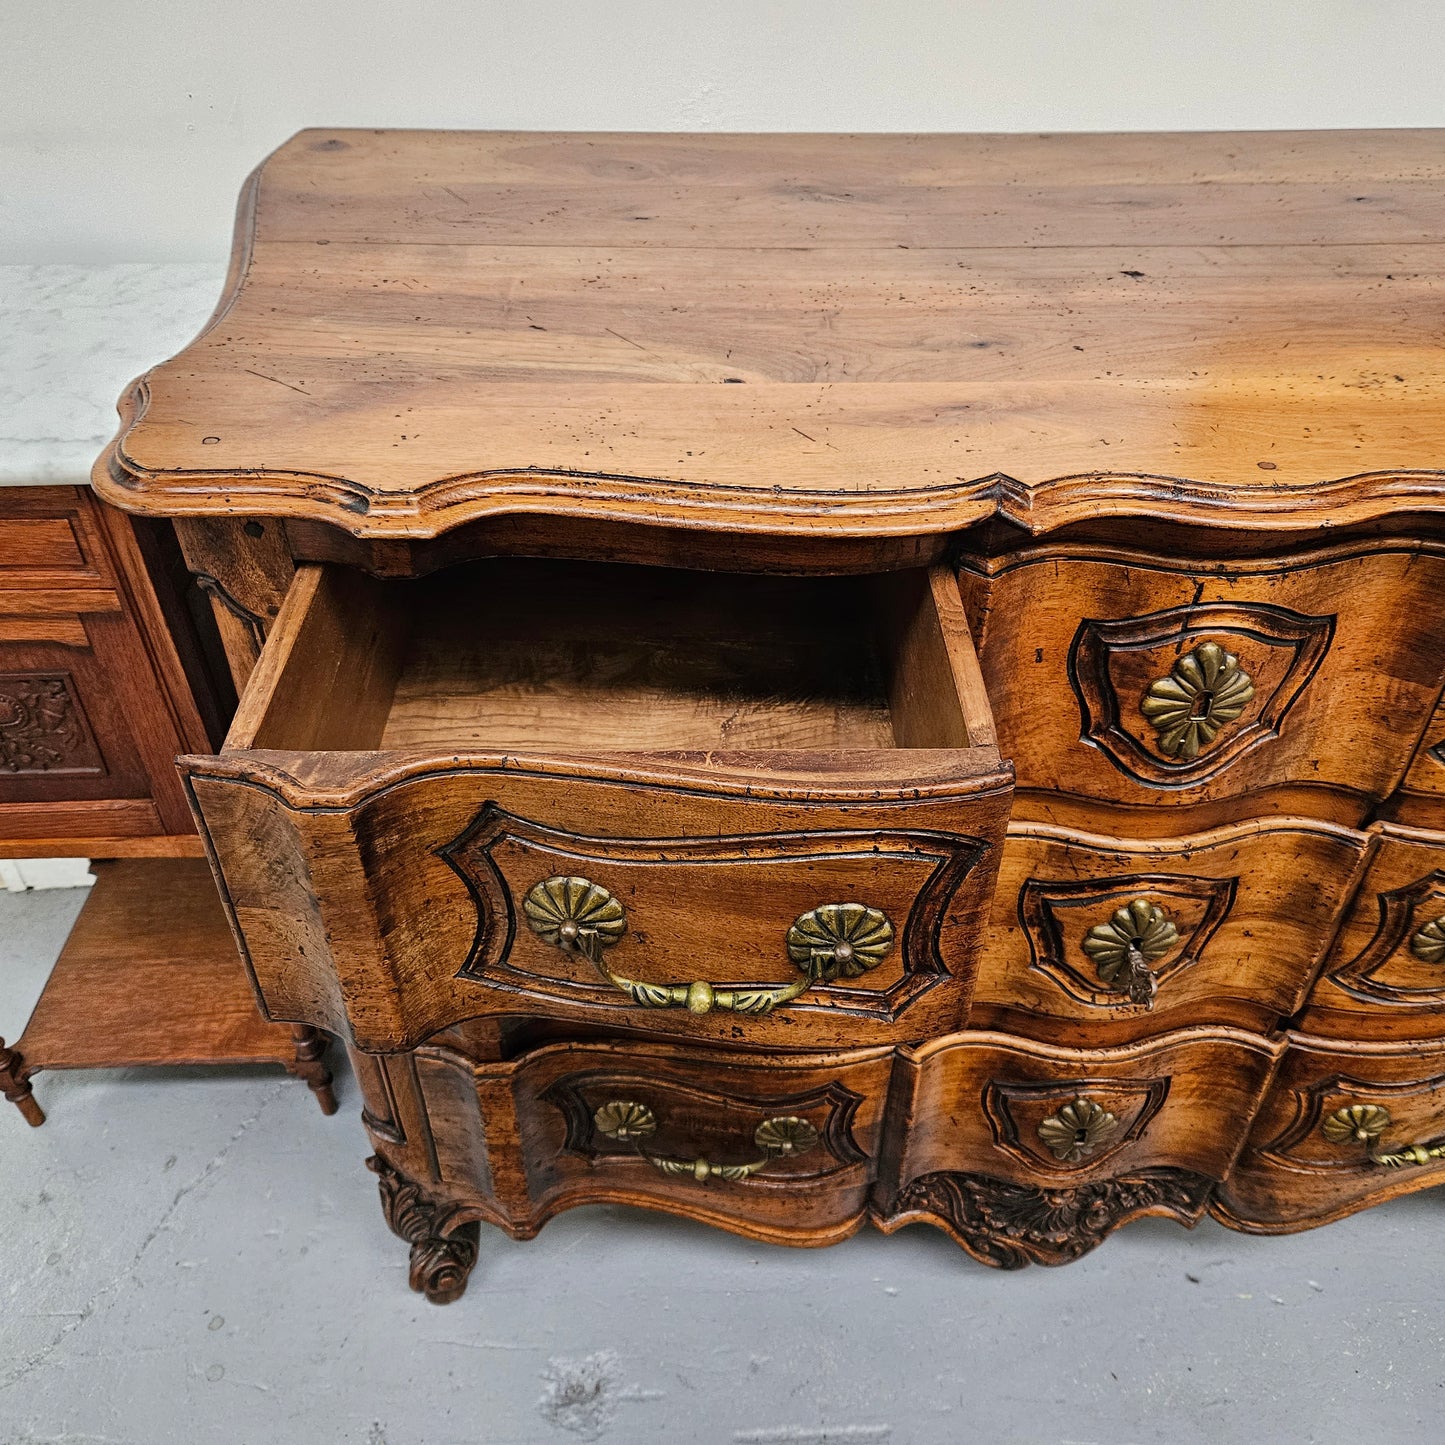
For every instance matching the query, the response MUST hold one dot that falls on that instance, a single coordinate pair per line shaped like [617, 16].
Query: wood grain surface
[813, 337]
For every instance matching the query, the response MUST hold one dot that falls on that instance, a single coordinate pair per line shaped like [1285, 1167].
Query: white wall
[125, 129]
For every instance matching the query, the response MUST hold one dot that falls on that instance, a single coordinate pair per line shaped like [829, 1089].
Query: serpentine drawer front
[1129, 685]
[1344, 1125]
[1384, 976]
[1096, 940]
[778, 1150]
[753, 810]
[1026, 1153]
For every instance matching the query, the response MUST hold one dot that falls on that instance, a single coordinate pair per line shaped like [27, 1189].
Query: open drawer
[758, 810]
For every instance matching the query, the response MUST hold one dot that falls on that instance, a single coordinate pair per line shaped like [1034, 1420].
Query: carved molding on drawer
[1400, 966]
[1010, 1225]
[688, 1120]
[930, 865]
[43, 727]
[1116, 666]
[1057, 917]
[1305, 1145]
[1024, 1118]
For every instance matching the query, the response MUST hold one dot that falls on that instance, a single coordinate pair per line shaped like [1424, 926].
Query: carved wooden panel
[1335, 1133]
[1119, 667]
[1385, 973]
[43, 726]
[1058, 916]
[987, 1103]
[342, 871]
[515, 1142]
[1008, 1225]
[1074, 1123]
[1344, 648]
[1246, 912]
[694, 1121]
[693, 898]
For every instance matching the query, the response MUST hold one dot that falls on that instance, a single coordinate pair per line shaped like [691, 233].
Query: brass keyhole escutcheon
[1205, 690]
[1078, 1130]
[1140, 933]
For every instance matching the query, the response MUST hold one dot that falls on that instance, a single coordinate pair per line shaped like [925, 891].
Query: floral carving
[443, 1251]
[1009, 1225]
[1428, 945]
[1077, 1130]
[40, 726]
[570, 912]
[1206, 689]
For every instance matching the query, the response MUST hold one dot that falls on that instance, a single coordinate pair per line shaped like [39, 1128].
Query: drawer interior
[544, 655]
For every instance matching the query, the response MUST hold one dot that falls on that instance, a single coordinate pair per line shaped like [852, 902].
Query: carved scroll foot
[15, 1083]
[442, 1256]
[1009, 1225]
[311, 1065]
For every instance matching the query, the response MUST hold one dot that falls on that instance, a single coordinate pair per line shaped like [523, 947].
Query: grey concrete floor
[199, 1256]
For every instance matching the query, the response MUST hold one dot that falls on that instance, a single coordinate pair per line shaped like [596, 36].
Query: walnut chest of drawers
[804, 680]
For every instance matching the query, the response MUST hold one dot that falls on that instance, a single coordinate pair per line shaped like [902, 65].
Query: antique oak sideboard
[806, 680]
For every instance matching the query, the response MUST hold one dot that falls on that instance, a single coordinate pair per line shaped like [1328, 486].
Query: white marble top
[71, 337]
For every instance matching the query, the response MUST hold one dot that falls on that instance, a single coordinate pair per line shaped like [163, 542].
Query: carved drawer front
[786, 1152]
[65, 737]
[1131, 681]
[1344, 1126]
[1384, 976]
[1420, 798]
[432, 809]
[1095, 939]
[1024, 1152]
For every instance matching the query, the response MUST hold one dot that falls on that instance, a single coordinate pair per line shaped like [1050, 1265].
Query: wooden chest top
[794, 334]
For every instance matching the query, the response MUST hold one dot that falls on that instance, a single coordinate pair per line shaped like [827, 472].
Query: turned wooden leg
[311, 1065]
[440, 1264]
[15, 1081]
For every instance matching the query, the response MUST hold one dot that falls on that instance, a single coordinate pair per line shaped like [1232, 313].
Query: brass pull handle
[1137, 935]
[630, 1122]
[831, 941]
[1364, 1123]
[1206, 689]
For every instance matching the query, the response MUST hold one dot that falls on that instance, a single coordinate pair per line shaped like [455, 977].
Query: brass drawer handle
[1205, 689]
[627, 1121]
[834, 940]
[1137, 935]
[1364, 1123]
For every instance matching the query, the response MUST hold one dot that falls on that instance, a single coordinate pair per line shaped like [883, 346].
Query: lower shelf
[150, 975]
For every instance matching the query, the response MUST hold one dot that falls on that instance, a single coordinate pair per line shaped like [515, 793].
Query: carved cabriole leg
[441, 1263]
[311, 1065]
[15, 1082]
[1009, 1225]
